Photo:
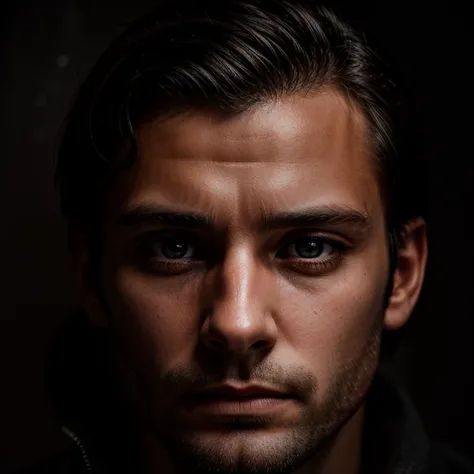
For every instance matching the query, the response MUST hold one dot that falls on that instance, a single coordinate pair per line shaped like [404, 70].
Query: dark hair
[226, 56]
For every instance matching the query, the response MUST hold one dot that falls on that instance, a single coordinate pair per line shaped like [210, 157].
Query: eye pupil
[309, 248]
[174, 249]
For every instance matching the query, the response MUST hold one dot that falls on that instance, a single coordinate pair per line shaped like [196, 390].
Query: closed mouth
[236, 393]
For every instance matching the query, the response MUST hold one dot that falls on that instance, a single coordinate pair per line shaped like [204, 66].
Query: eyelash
[179, 265]
[339, 248]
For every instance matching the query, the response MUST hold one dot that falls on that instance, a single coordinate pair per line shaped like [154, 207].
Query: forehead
[278, 131]
[293, 152]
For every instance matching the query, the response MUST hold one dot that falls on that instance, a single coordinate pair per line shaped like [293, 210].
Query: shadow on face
[247, 250]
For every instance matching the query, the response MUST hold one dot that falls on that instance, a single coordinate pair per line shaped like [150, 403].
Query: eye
[313, 254]
[310, 247]
[172, 248]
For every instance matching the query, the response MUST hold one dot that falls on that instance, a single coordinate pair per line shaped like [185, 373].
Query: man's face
[280, 282]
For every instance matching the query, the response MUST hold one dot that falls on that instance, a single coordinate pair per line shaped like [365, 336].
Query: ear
[86, 276]
[409, 274]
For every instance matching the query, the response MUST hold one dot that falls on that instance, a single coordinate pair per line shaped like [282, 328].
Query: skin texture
[242, 305]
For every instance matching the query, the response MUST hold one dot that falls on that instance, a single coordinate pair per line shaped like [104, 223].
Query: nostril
[216, 344]
[260, 344]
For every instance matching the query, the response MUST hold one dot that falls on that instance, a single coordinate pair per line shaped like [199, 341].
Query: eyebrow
[327, 215]
[321, 215]
[151, 214]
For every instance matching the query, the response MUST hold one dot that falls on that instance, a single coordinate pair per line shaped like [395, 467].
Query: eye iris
[309, 248]
[174, 249]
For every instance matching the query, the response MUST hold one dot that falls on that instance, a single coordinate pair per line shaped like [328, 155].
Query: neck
[342, 455]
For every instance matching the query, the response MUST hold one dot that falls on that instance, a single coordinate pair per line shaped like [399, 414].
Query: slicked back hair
[226, 56]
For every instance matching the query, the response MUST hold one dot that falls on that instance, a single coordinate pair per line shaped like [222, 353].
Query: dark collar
[394, 440]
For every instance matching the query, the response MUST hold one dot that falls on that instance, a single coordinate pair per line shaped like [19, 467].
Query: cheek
[330, 324]
[154, 322]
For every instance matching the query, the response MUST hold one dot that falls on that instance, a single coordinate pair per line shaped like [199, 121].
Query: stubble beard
[246, 448]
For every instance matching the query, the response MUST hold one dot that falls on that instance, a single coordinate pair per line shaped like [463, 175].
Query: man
[243, 230]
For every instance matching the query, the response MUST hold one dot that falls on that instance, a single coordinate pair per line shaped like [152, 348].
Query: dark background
[47, 49]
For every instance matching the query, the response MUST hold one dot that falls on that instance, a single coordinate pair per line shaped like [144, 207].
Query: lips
[238, 393]
[218, 403]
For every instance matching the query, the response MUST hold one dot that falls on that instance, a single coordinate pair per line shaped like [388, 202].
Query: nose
[239, 318]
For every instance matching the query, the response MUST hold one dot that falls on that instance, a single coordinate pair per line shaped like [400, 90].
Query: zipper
[81, 447]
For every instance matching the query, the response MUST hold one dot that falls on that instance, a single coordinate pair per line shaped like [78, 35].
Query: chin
[244, 451]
